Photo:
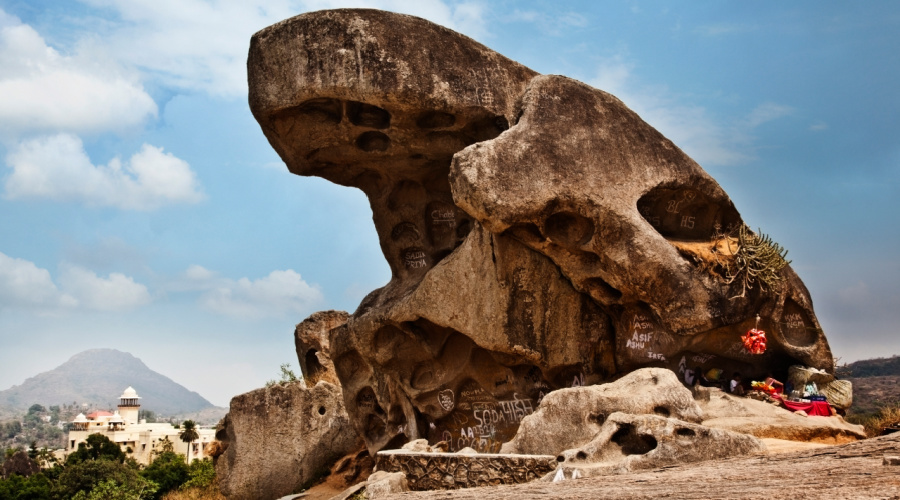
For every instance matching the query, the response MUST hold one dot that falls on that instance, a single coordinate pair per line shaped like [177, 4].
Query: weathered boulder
[568, 418]
[280, 438]
[628, 443]
[764, 420]
[382, 484]
[539, 233]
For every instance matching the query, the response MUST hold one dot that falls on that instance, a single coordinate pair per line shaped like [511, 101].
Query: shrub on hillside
[876, 423]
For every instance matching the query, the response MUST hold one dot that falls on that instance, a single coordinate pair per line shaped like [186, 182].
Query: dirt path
[852, 470]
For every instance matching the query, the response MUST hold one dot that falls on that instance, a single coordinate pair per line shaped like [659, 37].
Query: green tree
[87, 475]
[110, 490]
[168, 471]
[96, 447]
[36, 408]
[189, 434]
[36, 487]
[202, 474]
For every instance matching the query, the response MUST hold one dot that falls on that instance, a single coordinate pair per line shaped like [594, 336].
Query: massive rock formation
[539, 233]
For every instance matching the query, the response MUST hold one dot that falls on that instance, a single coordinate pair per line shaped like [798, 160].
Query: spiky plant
[756, 260]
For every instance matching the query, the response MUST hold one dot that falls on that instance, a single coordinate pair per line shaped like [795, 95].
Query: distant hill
[98, 377]
[878, 367]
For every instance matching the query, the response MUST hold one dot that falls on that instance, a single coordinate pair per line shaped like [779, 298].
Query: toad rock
[540, 234]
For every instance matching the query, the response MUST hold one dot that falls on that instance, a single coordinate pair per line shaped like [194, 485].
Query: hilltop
[97, 377]
[877, 367]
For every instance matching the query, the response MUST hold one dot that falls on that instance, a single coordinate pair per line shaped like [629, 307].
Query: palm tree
[188, 433]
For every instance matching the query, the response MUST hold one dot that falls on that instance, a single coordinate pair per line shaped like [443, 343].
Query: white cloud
[555, 24]
[115, 292]
[767, 112]
[706, 138]
[24, 285]
[279, 293]
[197, 273]
[202, 44]
[43, 90]
[58, 168]
[818, 126]
[724, 29]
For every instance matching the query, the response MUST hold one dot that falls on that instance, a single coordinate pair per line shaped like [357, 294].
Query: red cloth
[813, 408]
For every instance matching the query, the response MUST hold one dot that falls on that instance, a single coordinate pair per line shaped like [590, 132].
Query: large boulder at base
[568, 418]
[279, 439]
[540, 235]
[765, 420]
[628, 443]
[383, 484]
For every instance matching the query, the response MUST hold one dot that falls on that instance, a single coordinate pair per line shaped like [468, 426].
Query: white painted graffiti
[445, 398]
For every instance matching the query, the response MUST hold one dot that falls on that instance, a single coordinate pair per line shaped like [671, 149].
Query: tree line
[100, 470]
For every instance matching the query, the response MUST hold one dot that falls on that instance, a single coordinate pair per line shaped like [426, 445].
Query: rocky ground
[852, 470]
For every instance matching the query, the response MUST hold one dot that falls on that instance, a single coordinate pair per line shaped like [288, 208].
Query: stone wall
[450, 471]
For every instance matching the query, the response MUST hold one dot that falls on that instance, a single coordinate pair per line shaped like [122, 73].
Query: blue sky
[142, 209]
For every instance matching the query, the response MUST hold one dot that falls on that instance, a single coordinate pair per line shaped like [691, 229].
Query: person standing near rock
[736, 388]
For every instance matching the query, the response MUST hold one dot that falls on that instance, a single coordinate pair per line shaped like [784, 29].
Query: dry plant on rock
[757, 259]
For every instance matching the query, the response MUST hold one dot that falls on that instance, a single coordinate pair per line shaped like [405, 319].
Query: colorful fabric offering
[754, 341]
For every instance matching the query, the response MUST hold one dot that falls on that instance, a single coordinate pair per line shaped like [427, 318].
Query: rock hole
[322, 110]
[686, 214]
[446, 142]
[598, 418]
[631, 442]
[435, 119]
[581, 455]
[313, 367]
[486, 128]
[367, 115]
[462, 230]
[560, 458]
[373, 141]
[405, 231]
[569, 229]
[321, 410]
[683, 431]
[662, 410]
[797, 328]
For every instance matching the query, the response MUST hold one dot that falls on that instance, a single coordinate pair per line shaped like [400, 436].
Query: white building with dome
[137, 438]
